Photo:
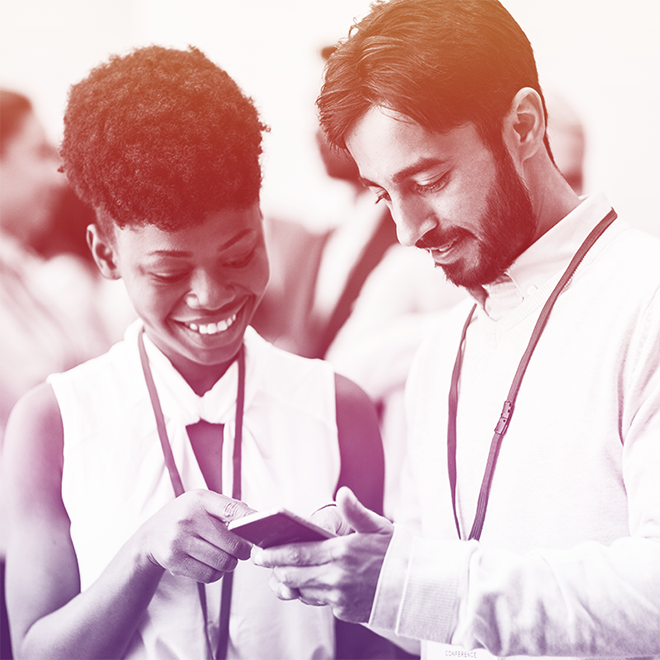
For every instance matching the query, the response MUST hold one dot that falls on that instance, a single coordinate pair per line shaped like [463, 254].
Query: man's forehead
[384, 142]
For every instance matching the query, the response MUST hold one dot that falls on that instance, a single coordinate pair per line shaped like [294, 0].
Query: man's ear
[103, 250]
[524, 125]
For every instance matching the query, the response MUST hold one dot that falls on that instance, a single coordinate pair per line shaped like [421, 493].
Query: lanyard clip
[505, 416]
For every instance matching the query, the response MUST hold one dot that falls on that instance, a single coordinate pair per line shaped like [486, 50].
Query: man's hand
[189, 537]
[330, 518]
[341, 572]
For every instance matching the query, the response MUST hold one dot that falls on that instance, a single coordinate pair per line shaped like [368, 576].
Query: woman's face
[196, 289]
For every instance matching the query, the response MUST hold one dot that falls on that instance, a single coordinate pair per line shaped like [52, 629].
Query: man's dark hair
[161, 137]
[14, 107]
[442, 63]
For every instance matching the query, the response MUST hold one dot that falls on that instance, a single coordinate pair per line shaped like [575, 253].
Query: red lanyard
[177, 484]
[507, 409]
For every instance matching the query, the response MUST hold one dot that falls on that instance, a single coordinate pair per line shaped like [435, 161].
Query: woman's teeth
[212, 328]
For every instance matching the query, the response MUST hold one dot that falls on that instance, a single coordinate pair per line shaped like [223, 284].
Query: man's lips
[446, 253]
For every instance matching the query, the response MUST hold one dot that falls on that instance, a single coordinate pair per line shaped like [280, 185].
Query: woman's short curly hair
[161, 137]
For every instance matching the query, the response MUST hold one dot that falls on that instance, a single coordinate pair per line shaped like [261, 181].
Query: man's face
[30, 182]
[448, 194]
[196, 289]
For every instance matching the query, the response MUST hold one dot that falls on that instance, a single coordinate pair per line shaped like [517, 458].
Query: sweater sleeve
[588, 600]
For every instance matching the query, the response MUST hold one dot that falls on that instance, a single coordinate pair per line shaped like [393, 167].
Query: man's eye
[168, 277]
[381, 196]
[433, 186]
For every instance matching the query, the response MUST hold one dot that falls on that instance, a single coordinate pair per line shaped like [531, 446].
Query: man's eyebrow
[182, 254]
[185, 254]
[421, 165]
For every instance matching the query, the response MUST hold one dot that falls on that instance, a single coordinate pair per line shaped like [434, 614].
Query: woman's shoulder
[34, 436]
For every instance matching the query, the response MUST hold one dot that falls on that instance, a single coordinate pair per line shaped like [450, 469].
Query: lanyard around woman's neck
[507, 409]
[177, 484]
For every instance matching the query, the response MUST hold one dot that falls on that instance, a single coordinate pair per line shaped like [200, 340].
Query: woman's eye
[241, 261]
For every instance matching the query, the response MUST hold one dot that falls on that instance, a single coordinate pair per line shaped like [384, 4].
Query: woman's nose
[209, 291]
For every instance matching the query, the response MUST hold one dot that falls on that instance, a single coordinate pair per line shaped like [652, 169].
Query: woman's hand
[188, 537]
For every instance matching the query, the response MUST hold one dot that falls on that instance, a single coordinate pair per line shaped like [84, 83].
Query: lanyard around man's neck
[507, 409]
[177, 484]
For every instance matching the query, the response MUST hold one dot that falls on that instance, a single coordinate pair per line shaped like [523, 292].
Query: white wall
[604, 55]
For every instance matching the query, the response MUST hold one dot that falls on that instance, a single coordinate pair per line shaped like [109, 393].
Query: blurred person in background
[352, 295]
[48, 320]
[62, 242]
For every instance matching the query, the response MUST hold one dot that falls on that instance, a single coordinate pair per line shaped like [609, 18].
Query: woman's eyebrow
[236, 238]
[186, 254]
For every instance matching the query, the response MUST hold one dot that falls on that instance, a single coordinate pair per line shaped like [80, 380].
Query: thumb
[358, 516]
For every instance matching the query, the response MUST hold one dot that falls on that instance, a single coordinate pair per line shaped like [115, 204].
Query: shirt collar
[546, 257]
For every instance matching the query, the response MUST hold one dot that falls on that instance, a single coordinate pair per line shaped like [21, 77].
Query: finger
[358, 516]
[198, 570]
[281, 590]
[295, 554]
[211, 554]
[235, 545]
[329, 518]
[216, 534]
[222, 509]
[299, 578]
[225, 508]
[312, 597]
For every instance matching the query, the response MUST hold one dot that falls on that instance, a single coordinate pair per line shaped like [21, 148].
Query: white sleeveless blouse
[114, 478]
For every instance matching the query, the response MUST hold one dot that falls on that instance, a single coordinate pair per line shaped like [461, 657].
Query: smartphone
[277, 527]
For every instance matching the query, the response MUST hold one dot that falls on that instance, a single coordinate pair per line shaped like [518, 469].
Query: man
[540, 539]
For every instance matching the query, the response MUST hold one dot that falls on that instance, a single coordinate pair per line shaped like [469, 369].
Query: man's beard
[506, 229]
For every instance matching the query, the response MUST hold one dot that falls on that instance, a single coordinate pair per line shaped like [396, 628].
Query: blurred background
[602, 56]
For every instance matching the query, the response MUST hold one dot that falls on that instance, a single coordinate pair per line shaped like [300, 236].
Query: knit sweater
[569, 559]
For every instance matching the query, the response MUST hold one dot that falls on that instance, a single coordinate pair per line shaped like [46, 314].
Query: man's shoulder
[633, 236]
[633, 256]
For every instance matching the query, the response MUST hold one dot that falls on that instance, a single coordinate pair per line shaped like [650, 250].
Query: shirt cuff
[420, 586]
[391, 581]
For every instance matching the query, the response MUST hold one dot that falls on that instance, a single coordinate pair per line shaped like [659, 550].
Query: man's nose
[208, 291]
[413, 218]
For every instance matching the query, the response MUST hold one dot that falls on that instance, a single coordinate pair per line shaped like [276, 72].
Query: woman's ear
[103, 250]
[524, 125]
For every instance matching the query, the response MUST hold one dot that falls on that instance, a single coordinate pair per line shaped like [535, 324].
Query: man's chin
[471, 276]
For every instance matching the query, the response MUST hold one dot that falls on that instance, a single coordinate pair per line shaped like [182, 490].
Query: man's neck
[552, 198]
[552, 201]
